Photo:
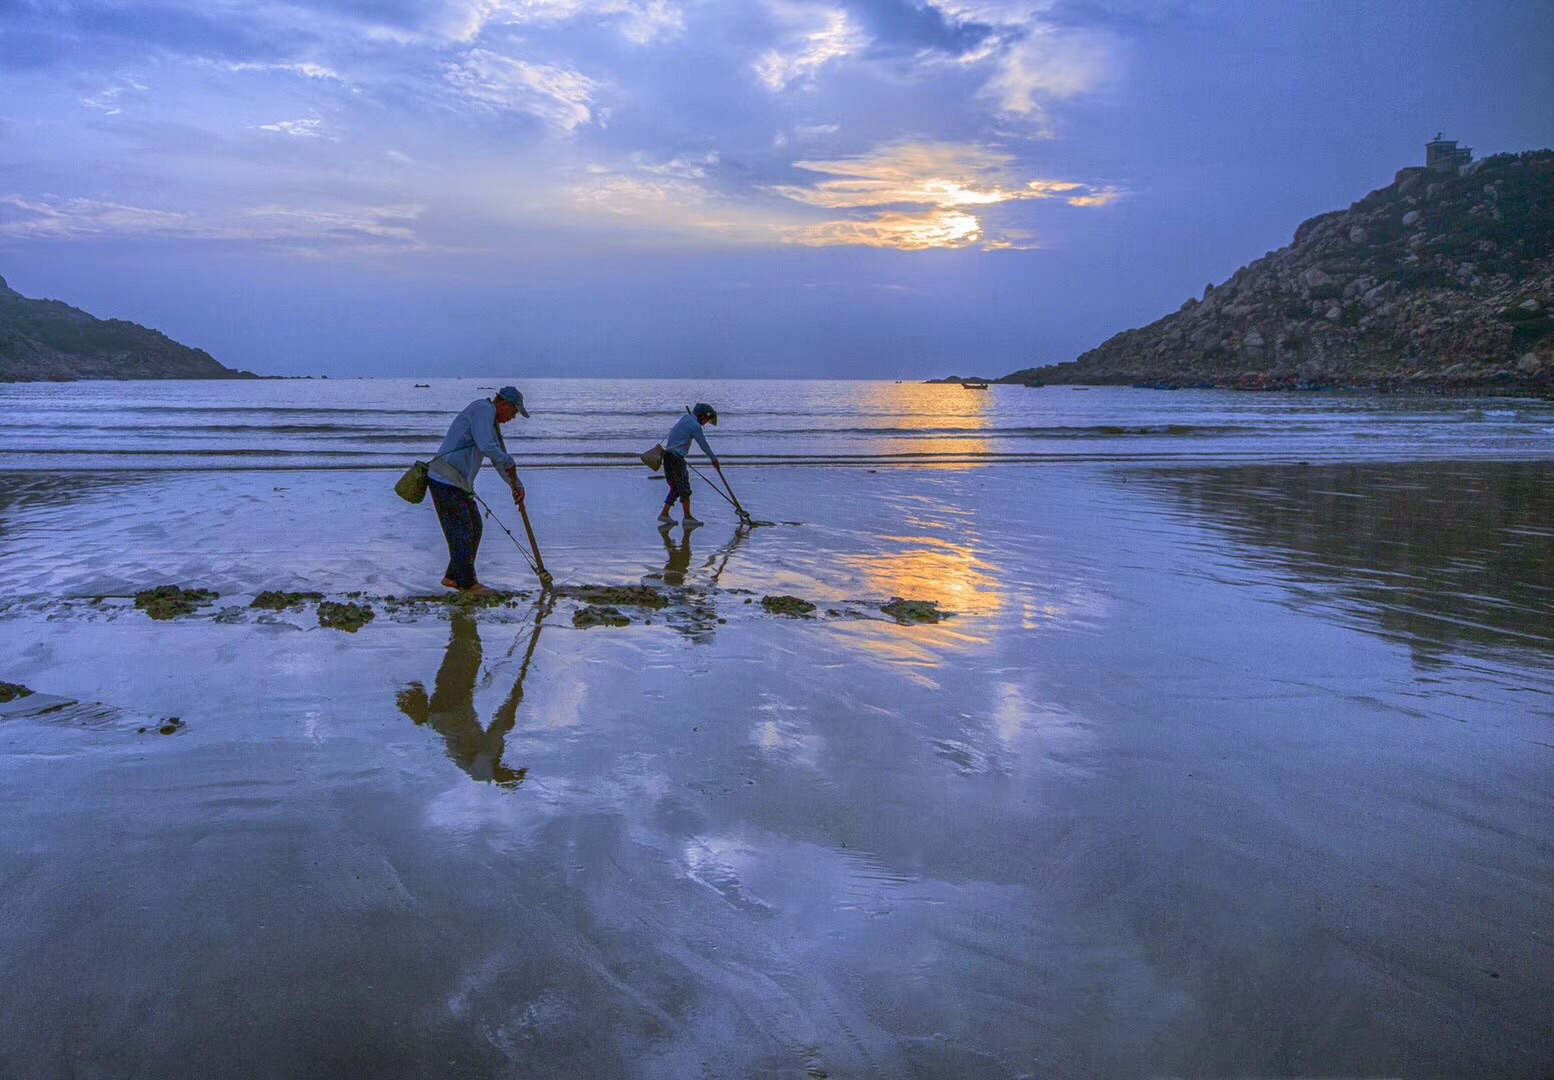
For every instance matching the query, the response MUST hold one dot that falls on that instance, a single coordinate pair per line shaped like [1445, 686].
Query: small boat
[1033, 385]
[423, 386]
[973, 386]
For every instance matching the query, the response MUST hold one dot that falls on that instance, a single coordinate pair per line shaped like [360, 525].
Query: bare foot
[449, 583]
[478, 589]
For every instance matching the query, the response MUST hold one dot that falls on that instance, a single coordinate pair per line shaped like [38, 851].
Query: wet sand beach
[1215, 770]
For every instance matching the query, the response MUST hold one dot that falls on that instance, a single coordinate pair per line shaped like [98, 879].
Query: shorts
[678, 476]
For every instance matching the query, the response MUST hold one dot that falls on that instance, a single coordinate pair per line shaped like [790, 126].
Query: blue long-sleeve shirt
[680, 436]
[471, 437]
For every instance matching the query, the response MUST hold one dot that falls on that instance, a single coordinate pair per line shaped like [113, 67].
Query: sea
[287, 424]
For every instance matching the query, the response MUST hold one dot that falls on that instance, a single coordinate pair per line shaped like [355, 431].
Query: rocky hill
[46, 340]
[1435, 282]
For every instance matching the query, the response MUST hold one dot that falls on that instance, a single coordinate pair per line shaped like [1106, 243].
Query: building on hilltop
[1444, 155]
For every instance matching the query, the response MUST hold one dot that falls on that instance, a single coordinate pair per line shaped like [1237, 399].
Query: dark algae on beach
[347, 617]
[625, 595]
[596, 615]
[169, 601]
[908, 612]
[791, 606]
[10, 691]
[281, 601]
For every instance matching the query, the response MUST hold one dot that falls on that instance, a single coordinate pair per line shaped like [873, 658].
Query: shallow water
[1215, 772]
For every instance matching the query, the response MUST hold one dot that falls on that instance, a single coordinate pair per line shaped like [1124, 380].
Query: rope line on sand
[510, 536]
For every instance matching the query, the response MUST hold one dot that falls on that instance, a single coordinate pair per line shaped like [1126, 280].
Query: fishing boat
[973, 386]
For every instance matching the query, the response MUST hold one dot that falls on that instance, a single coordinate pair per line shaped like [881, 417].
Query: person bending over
[473, 436]
[688, 427]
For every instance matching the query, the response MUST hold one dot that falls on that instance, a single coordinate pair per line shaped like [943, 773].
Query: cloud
[635, 196]
[949, 179]
[353, 106]
[893, 229]
[640, 21]
[107, 101]
[379, 223]
[931, 174]
[1048, 64]
[301, 129]
[310, 231]
[802, 133]
[303, 68]
[992, 12]
[815, 35]
[661, 198]
[50, 217]
[1037, 53]
[1104, 196]
[686, 166]
[560, 97]
[905, 27]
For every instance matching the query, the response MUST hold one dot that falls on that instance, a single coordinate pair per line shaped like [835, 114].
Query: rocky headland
[50, 341]
[1437, 282]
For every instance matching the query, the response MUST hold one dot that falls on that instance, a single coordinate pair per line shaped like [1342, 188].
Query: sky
[761, 188]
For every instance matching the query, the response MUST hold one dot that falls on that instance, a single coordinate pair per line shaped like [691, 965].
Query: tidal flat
[1208, 771]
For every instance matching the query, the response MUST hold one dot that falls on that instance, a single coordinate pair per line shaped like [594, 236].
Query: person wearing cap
[676, 446]
[473, 436]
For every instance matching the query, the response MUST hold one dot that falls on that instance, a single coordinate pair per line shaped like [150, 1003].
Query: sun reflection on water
[941, 408]
[951, 572]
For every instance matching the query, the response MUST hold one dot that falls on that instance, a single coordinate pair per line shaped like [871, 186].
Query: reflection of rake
[508, 713]
[721, 557]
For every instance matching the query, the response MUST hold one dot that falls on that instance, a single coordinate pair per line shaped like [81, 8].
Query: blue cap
[514, 397]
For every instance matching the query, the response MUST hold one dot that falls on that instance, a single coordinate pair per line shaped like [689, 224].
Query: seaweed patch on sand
[347, 617]
[791, 606]
[280, 601]
[908, 612]
[10, 691]
[169, 601]
[594, 615]
[487, 600]
[624, 595]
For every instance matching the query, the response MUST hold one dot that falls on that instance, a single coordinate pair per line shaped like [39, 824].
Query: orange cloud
[946, 178]
[893, 229]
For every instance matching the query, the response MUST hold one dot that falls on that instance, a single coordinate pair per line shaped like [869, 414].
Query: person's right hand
[518, 493]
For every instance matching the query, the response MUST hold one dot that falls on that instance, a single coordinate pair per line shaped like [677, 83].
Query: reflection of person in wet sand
[679, 557]
[451, 708]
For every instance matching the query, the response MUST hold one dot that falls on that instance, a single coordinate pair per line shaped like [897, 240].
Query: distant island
[50, 341]
[1443, 280]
